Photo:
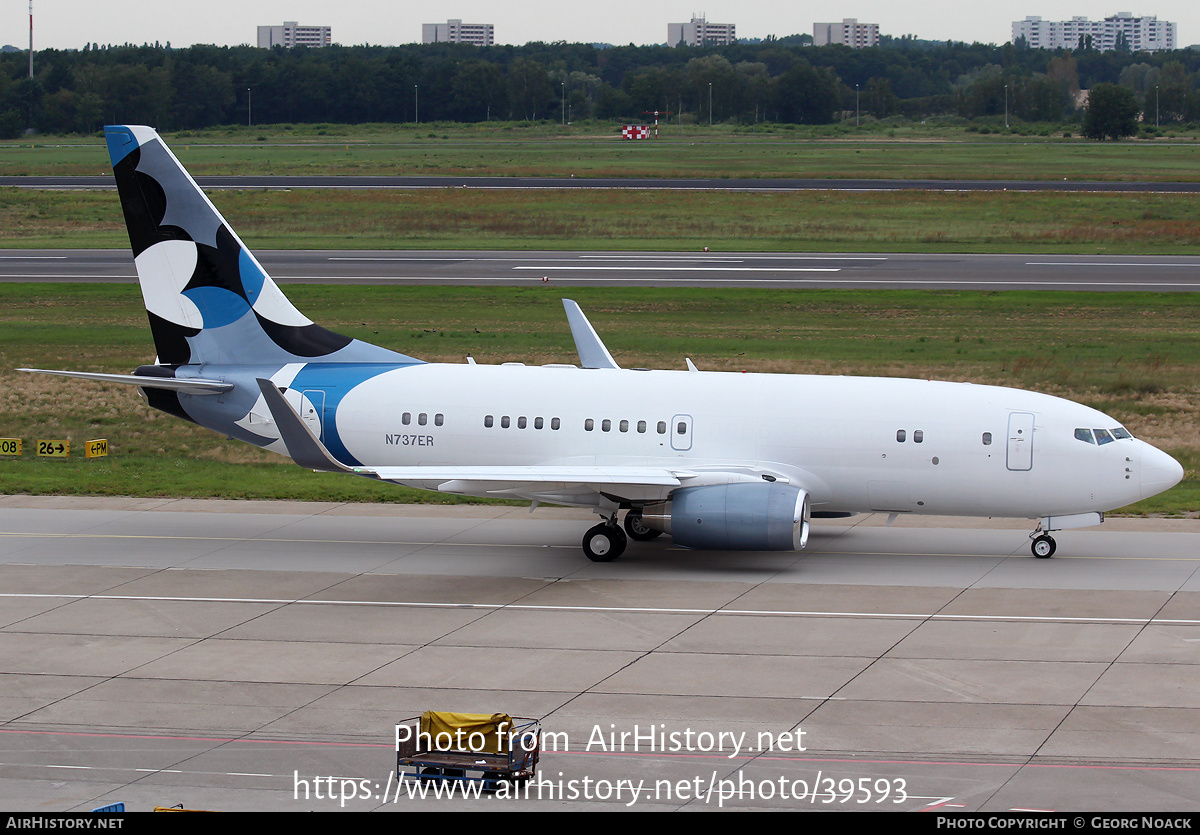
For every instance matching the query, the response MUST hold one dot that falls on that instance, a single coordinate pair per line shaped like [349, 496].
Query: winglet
[304, 447]
[592, 353]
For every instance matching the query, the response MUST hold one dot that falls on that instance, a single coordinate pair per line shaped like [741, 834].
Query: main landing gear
[637, 529]
[1042, 545]
[606, 541]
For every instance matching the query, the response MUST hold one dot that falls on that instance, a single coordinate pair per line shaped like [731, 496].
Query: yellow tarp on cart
[480, 733]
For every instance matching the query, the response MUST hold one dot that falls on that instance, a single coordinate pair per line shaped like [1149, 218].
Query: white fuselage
[966, 449]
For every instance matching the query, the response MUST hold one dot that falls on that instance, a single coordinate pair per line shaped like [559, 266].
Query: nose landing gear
[1042, 545]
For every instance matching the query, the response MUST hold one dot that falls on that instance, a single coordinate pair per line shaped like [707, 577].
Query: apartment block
[1140, 34]
[292, 34]
[849, 32]
[455, 31]
[701, 33]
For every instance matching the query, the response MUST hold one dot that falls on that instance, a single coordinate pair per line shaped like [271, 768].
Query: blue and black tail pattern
[208, 299]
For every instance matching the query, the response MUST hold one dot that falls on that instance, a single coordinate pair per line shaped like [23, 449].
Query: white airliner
[716, 460]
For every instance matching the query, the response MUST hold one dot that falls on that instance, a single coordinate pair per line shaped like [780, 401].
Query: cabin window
[605, 425]
[589, 424]
[505, 422]
[662, 427]
[554, 423]
[422, 419]
[624, 426]
[918, 436]
[521, 422]
[439, 419]
[901, 435]
[1084, 435]
[537, 423]
[681, 428]
[987, 438]
[406, 418]
[488, 420]
[641, 427]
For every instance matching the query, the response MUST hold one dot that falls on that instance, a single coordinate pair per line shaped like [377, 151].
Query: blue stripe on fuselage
[336, 380]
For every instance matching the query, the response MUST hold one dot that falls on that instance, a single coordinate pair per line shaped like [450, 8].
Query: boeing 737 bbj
[716, 460]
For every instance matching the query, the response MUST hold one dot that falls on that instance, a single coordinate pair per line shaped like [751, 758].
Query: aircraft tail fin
[207, 297]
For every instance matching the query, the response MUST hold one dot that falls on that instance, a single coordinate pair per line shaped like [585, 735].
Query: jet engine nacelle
[735, 517]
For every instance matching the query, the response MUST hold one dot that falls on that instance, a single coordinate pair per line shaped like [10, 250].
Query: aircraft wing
[592, 353]
[550, 482]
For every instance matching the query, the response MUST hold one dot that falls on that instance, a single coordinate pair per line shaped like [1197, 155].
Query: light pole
[249, 108]
[710, 104]
[1006, 107]
[856, 106]
[564, 103]
[1155, 105]
[416, 106]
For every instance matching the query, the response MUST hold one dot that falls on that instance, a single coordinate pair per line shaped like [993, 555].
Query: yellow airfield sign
[53, 448]
[96, 449]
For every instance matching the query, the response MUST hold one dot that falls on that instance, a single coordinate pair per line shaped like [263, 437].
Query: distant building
[455, 31]
[701, 33]
[1138, 34]
[849, 32]
[292, 34]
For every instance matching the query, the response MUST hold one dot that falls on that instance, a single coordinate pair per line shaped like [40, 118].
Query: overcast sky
[69, 24]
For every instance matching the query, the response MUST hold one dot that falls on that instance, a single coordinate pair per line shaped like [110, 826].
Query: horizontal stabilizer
[192, 385]
[302, 445]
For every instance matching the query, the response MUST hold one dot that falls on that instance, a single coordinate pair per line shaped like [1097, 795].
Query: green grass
[903, 150]
[1132, 355]
[905, 221]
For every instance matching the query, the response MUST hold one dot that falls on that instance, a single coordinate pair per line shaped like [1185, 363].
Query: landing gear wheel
[604, 543]
[637, 528]
[1043, 547]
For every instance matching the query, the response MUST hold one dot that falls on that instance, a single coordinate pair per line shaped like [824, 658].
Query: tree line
[776, 80]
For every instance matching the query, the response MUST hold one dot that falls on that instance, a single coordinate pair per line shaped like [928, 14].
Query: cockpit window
[1102, 436]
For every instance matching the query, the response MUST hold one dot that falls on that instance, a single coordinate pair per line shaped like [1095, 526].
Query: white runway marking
[1101, 264]
[698, 269]
[637, 610]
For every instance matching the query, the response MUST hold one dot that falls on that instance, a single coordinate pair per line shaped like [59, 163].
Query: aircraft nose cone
[1159, 471]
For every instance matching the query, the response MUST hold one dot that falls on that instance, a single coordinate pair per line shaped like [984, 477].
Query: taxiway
[225, 654]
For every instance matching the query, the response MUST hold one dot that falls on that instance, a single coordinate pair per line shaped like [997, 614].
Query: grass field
[907, 221]
[903, 151]
[1131, 355]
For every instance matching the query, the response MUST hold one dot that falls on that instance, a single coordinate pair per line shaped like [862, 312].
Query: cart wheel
[431, 775]
[492, 781]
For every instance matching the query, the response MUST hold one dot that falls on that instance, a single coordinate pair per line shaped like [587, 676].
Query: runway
[226, 655]
[1159, 273]
[340, 181]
